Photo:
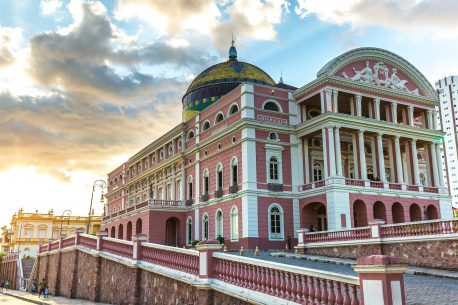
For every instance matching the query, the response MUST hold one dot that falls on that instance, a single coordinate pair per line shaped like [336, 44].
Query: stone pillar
[377, 108]
[394, 112]
[137, 243]
[439, 164]
[301, 240]
[430, 119]
[355, 155]
[338, 151]
[397, 149]
[381, 280]
[381, 157]
[325, 153]
[410, 113]
[416, 170]
[328, 93]
[375, 171]
[362, 155]
[359, 111]
[435, 124]
[206, 249]
[434, 164]
[335, 101]
[323, 102]
[306, 160]
[331, 154]
[100, 236]
[78, 232]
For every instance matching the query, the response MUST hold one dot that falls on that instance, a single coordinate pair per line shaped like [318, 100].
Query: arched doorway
[379, 211]
[113, 232]
[129, 231]
[398, 213]
[314, 214]
[359, 214]
[120, 232]
[415, 212]
[172, 229]
[138, 226]
[431, 212]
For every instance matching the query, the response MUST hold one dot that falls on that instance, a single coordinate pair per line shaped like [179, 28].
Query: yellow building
[29, 230]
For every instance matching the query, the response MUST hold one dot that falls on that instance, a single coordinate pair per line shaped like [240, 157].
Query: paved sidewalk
[33, 298]
[350, 262]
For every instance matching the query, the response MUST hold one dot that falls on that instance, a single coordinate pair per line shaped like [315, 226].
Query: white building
[447, 89]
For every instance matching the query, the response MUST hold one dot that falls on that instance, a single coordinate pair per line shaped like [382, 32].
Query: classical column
[323, 105]
[358, 105]
[328, 93]
[410, 113]
[434, 164]
[381, 158]
[394, 112]
[355, 155]
[373, 157]
[362, 155]
[173, 185]
[306, 160]
[397, 149]
[439, 164]
[338, 151]
[430, 119]
[335, 102]
[331, 155]
[325, 152]
[377, 108]
[416, 171]
[164, 185]
[435, 125]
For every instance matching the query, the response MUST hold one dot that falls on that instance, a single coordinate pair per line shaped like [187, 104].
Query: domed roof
[217, 80]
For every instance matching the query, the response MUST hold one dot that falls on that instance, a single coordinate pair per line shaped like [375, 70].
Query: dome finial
[232, 50]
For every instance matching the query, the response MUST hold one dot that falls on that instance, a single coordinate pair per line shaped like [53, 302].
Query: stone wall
[429, 253]
[8, 270]
[78, 274]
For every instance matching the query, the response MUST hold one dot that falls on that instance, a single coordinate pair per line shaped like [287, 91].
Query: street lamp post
[62, 220]
[97, 183]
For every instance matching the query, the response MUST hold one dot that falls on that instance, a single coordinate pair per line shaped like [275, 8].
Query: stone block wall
[442, 254]
[81, 275]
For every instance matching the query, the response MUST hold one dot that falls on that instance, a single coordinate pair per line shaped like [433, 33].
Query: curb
[25, 299]
[345, 262]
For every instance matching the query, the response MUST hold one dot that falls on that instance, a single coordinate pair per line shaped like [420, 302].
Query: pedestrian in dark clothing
[42, 286]
[312, 228]
[288, 242]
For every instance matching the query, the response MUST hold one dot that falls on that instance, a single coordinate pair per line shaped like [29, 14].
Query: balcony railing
[275, 187]
[166, 203]
[204, 197]
[219, 193]
[233, 189]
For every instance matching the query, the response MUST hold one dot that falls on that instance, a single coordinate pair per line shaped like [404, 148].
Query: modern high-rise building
[447, 89]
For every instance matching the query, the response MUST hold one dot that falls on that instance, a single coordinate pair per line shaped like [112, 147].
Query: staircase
[27, 266]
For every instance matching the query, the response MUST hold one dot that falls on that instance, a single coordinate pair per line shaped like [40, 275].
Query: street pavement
[420, 289]
[14, 297]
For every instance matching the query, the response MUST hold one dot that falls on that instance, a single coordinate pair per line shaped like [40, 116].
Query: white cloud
[414, 17]
[49, 7]
[247, 19]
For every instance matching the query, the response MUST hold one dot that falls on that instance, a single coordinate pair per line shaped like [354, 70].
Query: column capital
[337, 127]
[396, 138]
[394, 103]
[328, 90]
[360, 131]
[379, 133]
[358, 96]
[429, 111]
[335, 91]
[377, 100]
[414, 140]
[410, 107]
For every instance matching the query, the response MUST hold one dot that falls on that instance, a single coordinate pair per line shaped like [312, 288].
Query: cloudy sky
[85, 84]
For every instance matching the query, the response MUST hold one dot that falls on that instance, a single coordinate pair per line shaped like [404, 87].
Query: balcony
[275, 187]
[204, 197]
[218, 193]
[189, 202]
[233, 189]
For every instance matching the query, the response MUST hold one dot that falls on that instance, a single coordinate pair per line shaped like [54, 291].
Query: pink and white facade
[356, 144]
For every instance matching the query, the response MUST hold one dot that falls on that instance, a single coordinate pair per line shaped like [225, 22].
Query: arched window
[275, 222]
[189, 231]
[234, 223]
[273, 168]
[271, 106]
[206, 182]
[206, 125]
[205, 227]
[219, 224]
[317, 171]
[219, 118]
[234, 108]
[190, 135]
[219, 177]
[273, 136]
[190, 195]
[234, 171]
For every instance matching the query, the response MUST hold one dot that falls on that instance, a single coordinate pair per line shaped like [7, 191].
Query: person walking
[34, 286]
[7, 284]
[46, 292]
[42, 286]
[2, 285]
[288, 242]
